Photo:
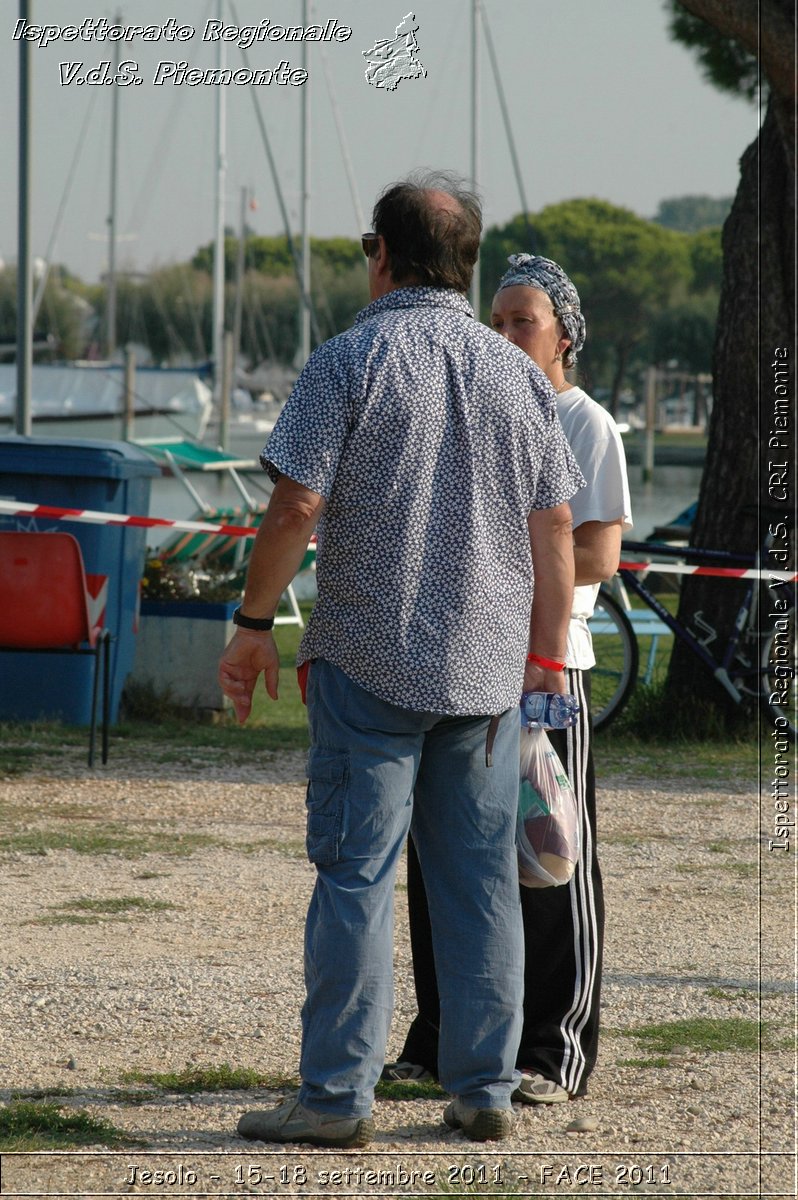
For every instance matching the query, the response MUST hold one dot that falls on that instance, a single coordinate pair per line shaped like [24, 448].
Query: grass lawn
[283, 726]
[676, 438]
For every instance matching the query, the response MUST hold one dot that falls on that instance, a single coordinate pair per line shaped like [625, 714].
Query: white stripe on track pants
[563, 934]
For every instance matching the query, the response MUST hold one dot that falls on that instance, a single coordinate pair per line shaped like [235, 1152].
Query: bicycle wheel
[617, 659]
[778, 666]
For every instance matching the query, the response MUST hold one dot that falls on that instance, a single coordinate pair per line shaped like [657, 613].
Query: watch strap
[261, 624]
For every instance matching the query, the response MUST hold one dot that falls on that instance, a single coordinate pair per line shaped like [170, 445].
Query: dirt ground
[152, 921]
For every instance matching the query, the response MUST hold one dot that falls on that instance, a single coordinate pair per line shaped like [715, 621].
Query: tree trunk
[753, 370]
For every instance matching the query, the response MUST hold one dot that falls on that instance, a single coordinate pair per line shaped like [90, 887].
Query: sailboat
[87, 400]
[240, 425]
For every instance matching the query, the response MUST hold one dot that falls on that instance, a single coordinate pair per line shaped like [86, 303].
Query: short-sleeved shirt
[594, 438]
[430, 438]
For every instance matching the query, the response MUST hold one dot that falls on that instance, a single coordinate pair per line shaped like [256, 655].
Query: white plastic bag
[547, 832]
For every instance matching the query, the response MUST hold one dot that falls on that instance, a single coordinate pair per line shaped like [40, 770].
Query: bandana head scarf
[530, 270]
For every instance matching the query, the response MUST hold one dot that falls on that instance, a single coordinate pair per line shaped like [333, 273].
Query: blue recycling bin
[109, 477]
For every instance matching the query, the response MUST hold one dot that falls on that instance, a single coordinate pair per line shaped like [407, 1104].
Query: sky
[601, 103]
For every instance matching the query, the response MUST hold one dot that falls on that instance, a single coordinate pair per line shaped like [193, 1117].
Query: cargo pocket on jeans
[328, 776]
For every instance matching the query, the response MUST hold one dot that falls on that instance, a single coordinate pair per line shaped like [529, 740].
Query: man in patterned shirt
[428, 451]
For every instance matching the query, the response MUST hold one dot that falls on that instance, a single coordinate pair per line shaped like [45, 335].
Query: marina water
[654, 503]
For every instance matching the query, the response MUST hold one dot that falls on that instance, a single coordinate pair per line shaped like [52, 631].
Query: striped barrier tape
[19, 508]
[672, 568]
[85, 515]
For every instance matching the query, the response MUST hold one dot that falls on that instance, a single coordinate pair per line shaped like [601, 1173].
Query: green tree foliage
[270, 323]
[498, 243]
[706, 261]
[169, 312]
[689, 214]
[630, 272]
[339, 293]
[723, 60]
[272, 255]
[62, 320]
[8, 307]
[270, 317]
[268, 255]
[683, 334]
[339, 254]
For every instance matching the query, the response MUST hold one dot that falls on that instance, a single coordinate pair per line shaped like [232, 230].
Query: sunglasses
[367, 242]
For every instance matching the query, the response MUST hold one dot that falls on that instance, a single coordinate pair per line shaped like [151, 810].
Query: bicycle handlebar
[692, 554]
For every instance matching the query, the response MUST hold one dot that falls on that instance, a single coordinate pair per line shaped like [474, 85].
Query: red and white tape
[672, 568]
[18, 508]
[85, 515]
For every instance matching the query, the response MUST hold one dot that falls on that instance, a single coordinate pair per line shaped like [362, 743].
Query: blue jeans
[374, 769]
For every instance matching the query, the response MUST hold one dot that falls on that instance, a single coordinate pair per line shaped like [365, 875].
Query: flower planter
[178, 648]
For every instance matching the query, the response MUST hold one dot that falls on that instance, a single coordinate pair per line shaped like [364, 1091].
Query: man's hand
[247, 654]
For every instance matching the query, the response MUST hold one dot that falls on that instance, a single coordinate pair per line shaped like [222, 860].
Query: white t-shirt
[597, 448]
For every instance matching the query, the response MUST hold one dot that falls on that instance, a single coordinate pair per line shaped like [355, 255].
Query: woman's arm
[597, 551]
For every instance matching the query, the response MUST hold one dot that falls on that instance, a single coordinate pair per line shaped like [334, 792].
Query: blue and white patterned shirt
[430, 438]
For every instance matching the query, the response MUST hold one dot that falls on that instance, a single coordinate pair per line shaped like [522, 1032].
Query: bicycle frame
[744, 617]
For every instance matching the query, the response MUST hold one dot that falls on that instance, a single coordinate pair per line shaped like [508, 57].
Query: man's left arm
[551, 539]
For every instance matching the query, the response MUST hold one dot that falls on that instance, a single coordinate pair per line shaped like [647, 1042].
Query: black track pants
[563, 934]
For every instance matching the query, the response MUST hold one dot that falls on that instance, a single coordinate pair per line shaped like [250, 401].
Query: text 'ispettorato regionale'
[100, 29]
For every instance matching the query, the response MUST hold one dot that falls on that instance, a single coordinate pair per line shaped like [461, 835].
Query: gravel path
[207, 970]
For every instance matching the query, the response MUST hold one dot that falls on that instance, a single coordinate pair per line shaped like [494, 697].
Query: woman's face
[525, 316]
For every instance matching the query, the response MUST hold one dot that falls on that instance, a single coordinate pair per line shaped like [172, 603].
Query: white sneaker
[537, 1089]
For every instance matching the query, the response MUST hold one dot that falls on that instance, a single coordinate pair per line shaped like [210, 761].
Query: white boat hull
[86, 401]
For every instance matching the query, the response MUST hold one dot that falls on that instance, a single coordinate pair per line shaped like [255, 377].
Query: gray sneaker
[292, 1122]
[480, 1124]
[537, 1089]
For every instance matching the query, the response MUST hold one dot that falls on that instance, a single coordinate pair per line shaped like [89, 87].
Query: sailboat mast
[24, 279]
[497, 79]
[295, 256]
[475, 15]
[346, 157]
[304, 298]
[110, 297]
[218, 254]
[240, 266]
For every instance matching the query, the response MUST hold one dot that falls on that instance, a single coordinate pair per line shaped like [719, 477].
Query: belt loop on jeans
[491, 738]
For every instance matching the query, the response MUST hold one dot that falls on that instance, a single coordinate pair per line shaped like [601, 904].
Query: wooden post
[227, 383]
[648, 433]
[129, 395]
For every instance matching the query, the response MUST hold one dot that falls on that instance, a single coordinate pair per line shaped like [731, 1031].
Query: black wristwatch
[261, 624]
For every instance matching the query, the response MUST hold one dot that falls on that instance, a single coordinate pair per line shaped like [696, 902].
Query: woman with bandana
[537, 308]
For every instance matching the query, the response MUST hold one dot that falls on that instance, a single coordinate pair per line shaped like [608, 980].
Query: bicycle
[759, 658]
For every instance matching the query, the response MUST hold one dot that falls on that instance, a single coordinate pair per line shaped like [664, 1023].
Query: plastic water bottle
[548, 710]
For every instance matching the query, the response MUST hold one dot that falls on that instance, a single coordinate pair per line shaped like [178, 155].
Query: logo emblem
[390, 60]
